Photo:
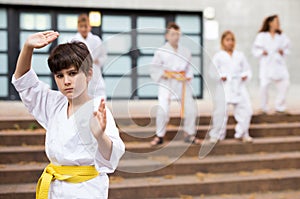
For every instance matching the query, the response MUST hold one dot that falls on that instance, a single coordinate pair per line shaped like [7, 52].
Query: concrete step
[184, 186]
[22, 137]
[145, 134]
[17, 154]
[21, 172]
[137, 150]
[289, 194]
[207, 184]
[206, 119]
[18, 122]
[17, 191]
[163, 166]
[28, 122]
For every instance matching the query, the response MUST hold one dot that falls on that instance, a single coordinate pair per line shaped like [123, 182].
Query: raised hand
[37, 40]
[98, 122]
[41, 39]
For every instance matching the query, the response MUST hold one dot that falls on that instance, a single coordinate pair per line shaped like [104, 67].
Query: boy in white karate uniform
[171, 69]
[232, 72]
[271, 46]
[98, 53]
[82, 143]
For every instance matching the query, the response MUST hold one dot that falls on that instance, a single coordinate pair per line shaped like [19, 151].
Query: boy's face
[173, 36]
[84, 28]
[71, 82]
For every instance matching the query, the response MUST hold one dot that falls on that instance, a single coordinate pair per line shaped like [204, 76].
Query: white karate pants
[242, 114]
[282, 88]
[162, 115]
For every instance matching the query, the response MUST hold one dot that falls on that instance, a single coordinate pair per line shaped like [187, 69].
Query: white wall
[244, 18]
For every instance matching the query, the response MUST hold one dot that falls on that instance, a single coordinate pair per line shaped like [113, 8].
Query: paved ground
[128, 108]
[269, 195]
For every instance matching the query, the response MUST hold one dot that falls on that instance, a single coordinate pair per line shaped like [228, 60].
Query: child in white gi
[82, 143]
[171, 69]
[271, 46]
[232, 72]
[94, 43]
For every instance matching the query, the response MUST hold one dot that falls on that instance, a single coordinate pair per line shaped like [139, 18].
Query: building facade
[132, 30]
[130, 37]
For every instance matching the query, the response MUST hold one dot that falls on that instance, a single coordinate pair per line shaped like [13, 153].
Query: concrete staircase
[267, 168]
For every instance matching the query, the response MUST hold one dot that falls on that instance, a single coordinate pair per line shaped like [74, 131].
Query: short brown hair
[172, 25]
[83, 18]
[225, 33]
[66, 55]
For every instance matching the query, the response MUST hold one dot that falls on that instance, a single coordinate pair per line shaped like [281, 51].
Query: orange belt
[180, 76]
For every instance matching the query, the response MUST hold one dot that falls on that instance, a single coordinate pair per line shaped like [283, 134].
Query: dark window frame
[13, 29]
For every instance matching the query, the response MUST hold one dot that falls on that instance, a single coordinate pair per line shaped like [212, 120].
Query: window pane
[3, 18]
[65, 37]
[192, 43]
[67, 22]
[118, 87]
[119, 43]
[149, 43]
[117, 65]
[3, 86]
[151, 24]
[196, 65]
[40, 65]
[35, 21]
[3, 39]
[46, 80]
[3, 63]
[189, 23]
[23, 37]
[116, 23]
[196, 86]
[147, 87]
[143, 67]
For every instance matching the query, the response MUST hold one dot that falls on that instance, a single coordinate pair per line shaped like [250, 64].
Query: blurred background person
[232, 72]
[172, 70]
[94, 43]
[271, 46]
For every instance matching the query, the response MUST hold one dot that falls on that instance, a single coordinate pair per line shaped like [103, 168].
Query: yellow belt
[72, 174]
[180, 76]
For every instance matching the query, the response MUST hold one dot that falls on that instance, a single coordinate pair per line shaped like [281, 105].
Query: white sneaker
[213, 140]
[247, 139]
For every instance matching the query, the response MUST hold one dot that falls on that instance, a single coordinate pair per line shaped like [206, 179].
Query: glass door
[150, 32]
[4, 79]
[132, 39]
[32, 22]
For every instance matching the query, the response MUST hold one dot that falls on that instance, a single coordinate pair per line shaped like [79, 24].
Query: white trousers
[282, 88]
[162, 115]
[242, 114]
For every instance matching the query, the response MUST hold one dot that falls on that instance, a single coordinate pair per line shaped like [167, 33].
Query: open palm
[98, 122]
[41, 39]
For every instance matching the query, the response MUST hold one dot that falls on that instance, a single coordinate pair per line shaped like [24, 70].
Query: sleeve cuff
[27, 81]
